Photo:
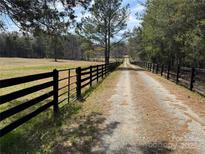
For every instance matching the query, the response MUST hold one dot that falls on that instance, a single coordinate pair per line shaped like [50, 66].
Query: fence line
[191, 78]
[72, 85]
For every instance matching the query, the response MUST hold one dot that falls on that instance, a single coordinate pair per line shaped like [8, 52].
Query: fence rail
[64, 85]
[191, 78]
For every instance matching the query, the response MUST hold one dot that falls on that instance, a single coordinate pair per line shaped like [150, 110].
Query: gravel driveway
[149, 119]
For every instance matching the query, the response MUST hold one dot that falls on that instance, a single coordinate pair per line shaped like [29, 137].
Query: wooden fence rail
[191, 78]
[71, 87]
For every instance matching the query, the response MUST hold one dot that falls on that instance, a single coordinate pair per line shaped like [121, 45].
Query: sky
[135, 7]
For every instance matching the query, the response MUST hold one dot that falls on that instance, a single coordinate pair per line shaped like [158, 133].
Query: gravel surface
[147, 118]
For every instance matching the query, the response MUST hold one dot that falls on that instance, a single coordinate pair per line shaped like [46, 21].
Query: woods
[171, 32]
[40, 46]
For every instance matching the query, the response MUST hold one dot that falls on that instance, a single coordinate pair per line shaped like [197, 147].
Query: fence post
[102, 70]
[69, 85]
[162, 69]
[90, 76]
[97, 73]
[192, 78]
[105, 69]
[178, 71]
[157, 69]
[55, 90]
[152, 69]
[168, 70]
[78, 83]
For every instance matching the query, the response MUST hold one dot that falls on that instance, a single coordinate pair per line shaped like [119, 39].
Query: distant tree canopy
[42, 46]
[71, 46]
[172, 31]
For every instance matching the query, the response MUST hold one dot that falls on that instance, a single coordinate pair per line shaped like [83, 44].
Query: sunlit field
[15, 67]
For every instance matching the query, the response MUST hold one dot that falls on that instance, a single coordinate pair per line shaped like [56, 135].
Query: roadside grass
[179, 87]
[76, 129]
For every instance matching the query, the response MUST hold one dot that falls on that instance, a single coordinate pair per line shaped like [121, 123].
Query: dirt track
[148, 118]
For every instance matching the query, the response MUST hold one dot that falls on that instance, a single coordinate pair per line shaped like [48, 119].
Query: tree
[41, 46]
[53, 17]
[87, 47]
[46, 15]
[172, 32]
[108, 18]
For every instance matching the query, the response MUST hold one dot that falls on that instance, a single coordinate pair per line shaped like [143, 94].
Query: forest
[172, 31]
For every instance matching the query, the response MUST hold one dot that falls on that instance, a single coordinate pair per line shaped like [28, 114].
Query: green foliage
[40, 46]
[172, 31]
[51, 16]
[107, 19]
[87, 47]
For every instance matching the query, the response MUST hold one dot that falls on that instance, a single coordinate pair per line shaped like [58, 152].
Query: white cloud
[132, 19]
[139, 8]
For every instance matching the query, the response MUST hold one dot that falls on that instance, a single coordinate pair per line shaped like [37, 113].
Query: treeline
[43, 46]
[173, 31]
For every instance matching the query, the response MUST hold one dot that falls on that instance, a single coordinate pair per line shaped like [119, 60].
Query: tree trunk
[109, 34]
[55, 48]
[106, 53]
[106, 44]
[108, 50]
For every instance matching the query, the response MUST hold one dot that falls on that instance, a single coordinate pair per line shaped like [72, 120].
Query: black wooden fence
[59, 89]
[192, 78]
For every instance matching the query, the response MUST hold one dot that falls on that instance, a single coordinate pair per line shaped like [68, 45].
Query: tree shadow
[29, 137]
[130, 69]
[87, 135]
[159, 147]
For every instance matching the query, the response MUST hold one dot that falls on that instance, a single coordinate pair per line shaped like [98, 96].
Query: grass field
[16, 67]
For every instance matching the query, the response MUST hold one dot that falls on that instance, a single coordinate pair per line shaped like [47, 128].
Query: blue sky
[135, 6]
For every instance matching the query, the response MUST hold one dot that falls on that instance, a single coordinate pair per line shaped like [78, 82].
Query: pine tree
[107, 19]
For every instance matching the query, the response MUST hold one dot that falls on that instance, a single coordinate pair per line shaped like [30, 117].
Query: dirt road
[148, 118]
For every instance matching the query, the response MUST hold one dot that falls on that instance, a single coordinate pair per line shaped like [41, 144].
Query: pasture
[17, 67]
